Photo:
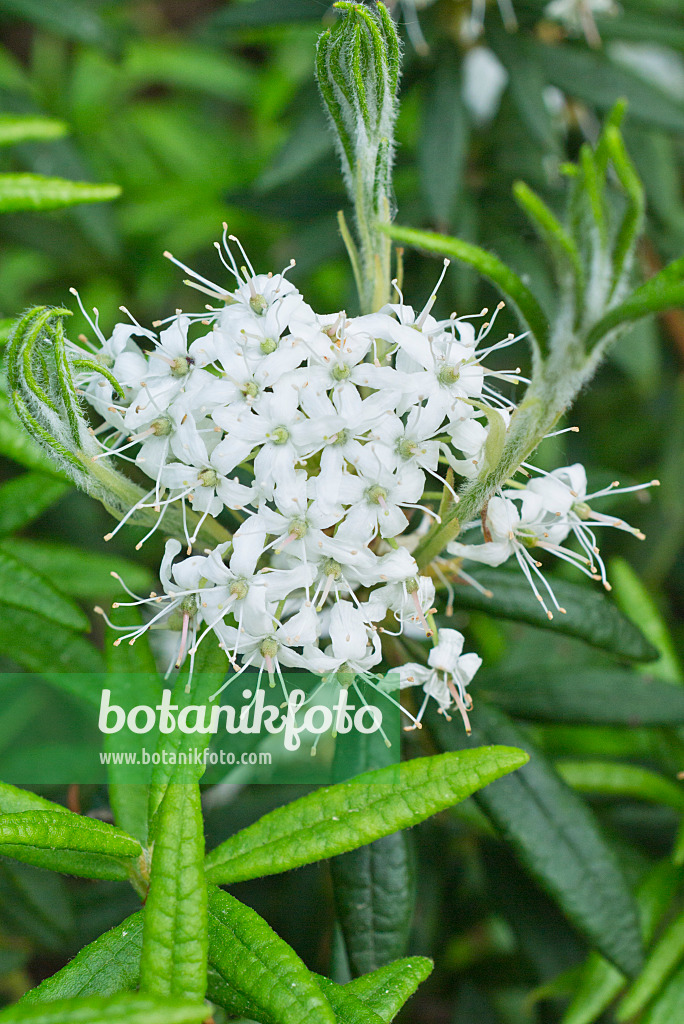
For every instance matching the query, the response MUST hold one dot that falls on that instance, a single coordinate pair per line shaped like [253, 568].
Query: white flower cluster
[323, 436]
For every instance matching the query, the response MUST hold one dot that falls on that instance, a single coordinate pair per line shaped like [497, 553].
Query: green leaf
[556, 836]
[665, 290]
[70, 19]
[17, 444]
[261, 969]
[590, 615]
[69, 843]
[86, 575]
[526, 84]
[35, 192]
[27, 497]
[128, 1008]
[22, 128]
[36, 904]
[669, 1007]
[662, 961]
[490, 266]
[174, 951]
[637, 604]
[386, 990]
[13, 799]
[593, 695]
[21, 587]
[610, 778]
[150, 61]
[57, 652]
[443, 148]
[335, 819]
[348, 1008]
[106, 966]
[263, 13]
[601, 981]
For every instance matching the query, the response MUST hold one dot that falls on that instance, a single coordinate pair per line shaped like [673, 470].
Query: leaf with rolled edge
[555, 835]
[69, 843]
[14, 799]
[601, 982]
[386, 990]
[587, 695]
[22, 587]
[630, 781]
[22, 128]
[128, 1008]
[665, 290]
[108, 965]
[506, 280]
[174, 951]
[590, 615]
[259, 972]
[665, 956]
[373, 887]
[669, 1006]
[35, 192]
[347, 1007]
[335, 819]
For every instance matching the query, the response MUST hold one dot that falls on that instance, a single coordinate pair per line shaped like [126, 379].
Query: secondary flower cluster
[324, 437]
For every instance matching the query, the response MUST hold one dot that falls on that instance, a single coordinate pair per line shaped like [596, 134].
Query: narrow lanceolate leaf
[174, 953]
[667, 953]
[669, 1006]
[13, 799]
[609, 778]
[122, 1009]
[34, 192]
[22, 587]
[69, 843]
[386, 990]
[490, 266]
[21, 128]
[556, 836]
[86, 575]
[601, 981]
[590, 615]
[665, 290]
[106, 966]
[265, 978]
[600, 695]
[26, 497]
[343, 817]
[347, 1007]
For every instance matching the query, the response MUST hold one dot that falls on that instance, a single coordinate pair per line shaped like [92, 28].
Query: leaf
[187, 66]
[335, 819]
[602, 695]
[260, 967]
[22, 128]
[13, 799]
[86, 575]
[35, 904]
[662, 961]
[601, 83]
[174, 951]
[128, 1008]
[669, 1007]
[373, 887]
[27, 497]
[35, 192]
[70, 19]
[387, 989]
[443, 148]
[590, 615]
[69, 843]
[508, 282]
[527, 84]
[21, 587]
[663, 291]
[610, 778]
[106, 966]
[62, 656]
[637, 604]
[348, 1008]
[556, 836]
[601, 982]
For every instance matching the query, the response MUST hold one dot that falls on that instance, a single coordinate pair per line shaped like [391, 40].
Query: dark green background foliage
[207, 112]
